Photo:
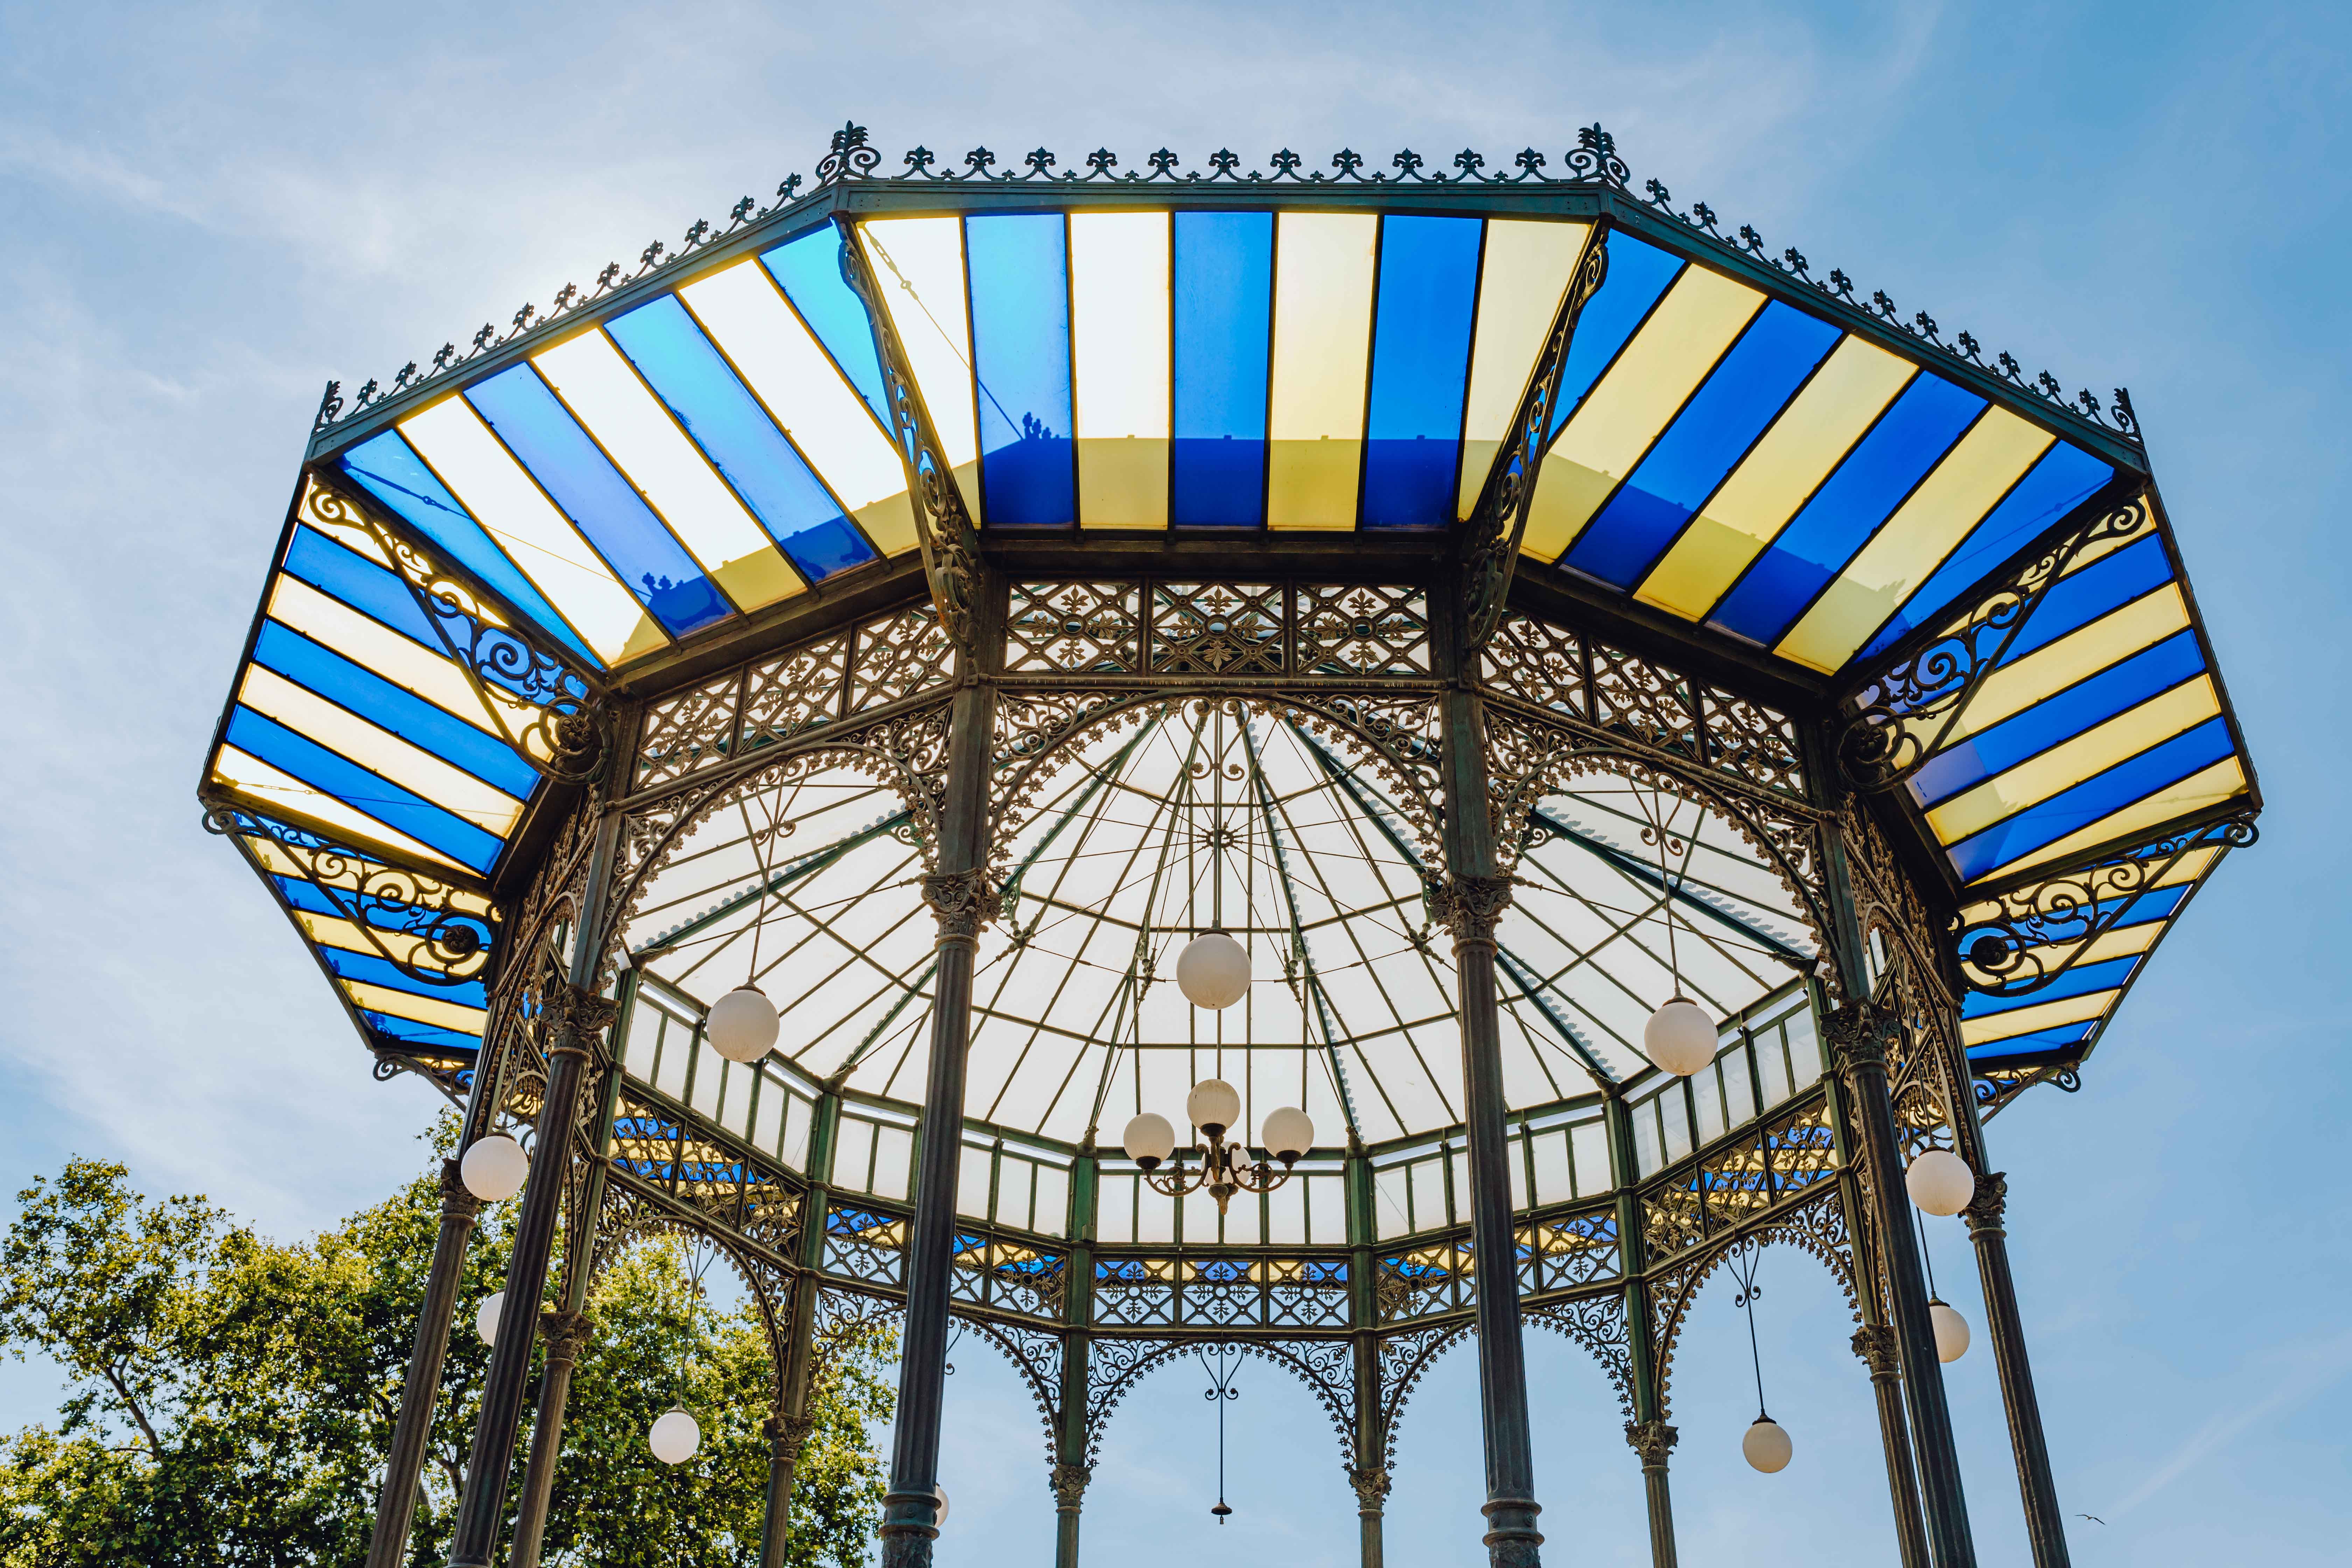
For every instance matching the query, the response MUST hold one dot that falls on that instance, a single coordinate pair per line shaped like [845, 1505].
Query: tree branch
[154, 1443]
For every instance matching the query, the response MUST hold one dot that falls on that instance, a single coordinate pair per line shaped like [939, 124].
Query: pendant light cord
[1220, 1391]
[1743, 1268]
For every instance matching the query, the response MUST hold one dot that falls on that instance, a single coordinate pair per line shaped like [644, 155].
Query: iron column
[2046, 1527]
[566, 1334]
[959, 898]
[1470, 904]
[395, 1510]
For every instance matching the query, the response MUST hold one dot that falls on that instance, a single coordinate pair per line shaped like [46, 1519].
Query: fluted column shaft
[1654, 1440]
[566, 1334]
[2045, 1526]
[1876, 1345]
[395, 1510]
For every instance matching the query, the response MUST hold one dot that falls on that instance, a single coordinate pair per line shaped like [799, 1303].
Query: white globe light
[485, 1316]
[1940, 1182]
[1149, 1139]
[1766, 1446]
[674, 1437]
[493, 1168]
[1214, 971]
[1679, 1037]
[942, 1517]
[1214, 1104]
[743, 1025]
[1951, 1331]
[1289, 1133]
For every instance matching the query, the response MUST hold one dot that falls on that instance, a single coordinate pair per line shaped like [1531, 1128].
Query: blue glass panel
[600, 501]
[2079, 981]
[395, 707]
[2062, 480]
[2078, 600]
[1421, 370]
[1883, 467]
[1712, 433]
[369, 969]
[2062, 1039]
[388, 467]
[809, 270]
[1223, 335]
[2059, 718]
[1020, 273]
[334, 774]
[2072, 810]
[735, 432]
[425, 1037]
[2156, 904]
[1638, 274]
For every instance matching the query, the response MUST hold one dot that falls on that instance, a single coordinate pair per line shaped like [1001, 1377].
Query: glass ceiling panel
[1206, 820]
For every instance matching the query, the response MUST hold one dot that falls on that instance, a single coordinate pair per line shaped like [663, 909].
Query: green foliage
[230, 1399]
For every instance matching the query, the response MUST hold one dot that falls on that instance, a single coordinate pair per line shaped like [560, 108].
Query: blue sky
[206, 210]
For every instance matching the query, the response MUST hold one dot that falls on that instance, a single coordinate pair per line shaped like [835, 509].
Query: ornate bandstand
[1568, 746]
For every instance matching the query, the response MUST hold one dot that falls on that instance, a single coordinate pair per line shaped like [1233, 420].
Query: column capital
[787, 1434]
[1069, 1485]
[1652, 1440]
[575, 1019]
[1880, 1349]
[1857, 1037]
[1470, 906]
[961, 901]
[457, 1203]
[1984, 1211]
[566, 1334]
[1371, 1486]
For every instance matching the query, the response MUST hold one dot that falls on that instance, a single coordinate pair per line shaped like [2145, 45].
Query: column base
[1512, 1539]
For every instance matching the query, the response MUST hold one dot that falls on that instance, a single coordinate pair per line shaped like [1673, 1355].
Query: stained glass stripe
[1522, 279]
[312, 769]
[808, 269]
[1224, 312]
[383, 753]
[1119, 329]
[919, 264]
[1420, 369]
[393, 708]
[1322, 345]
[1019, 267]
[2180, 773]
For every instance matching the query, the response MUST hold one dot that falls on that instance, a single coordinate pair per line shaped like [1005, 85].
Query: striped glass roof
[1793, 477]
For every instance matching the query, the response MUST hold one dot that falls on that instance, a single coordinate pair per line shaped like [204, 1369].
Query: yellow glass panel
[2025, 1020]
[1525, 273]
[1953, 499]
[430, 1010]
[2065, 765]
[1653, 377]
[2076, 656]
[242, 771]
[334, 623]
[503, 498]
[919, 262]
[1119, 347]
[1810, 436]
[2209, 787]
[379, 750]
[743, 313]
[355, 870]
[589, 373]
[2091, 554]
[1322, 355]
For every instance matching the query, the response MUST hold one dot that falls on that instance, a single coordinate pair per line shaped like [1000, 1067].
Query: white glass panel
[799, 1114]
[1155, 1214]
[893, 1149]
[1739, 1085]
[1287, 1212]
[1327, 1210]
[1517, 1160]
[1053, 1207]
[1805, 1048]
[1772, 1056]
[677, 1054]
[1645, 1138]
[645, 1041]
[1016, 1179]
[853, 1155]
[1674, 1112]
[1114, 1209]
[1243, 1223]
[735, 1110]
[1459, 1193]
[1429, 1210]
[1199, 1218]
[972, 1183]
[768, 1113]
[709, 1072]
[1553, 1183]
[1391, 1212]
[1706, 1088]
[1591, 1148]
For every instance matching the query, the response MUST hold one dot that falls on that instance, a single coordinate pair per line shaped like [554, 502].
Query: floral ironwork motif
[1597, 1323]
[1073, 628]
[1902, 716]
[1241, 1291]
[1117, 1363]
[1361, 630]
[1218, 628]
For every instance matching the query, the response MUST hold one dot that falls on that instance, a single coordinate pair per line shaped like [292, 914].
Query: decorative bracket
[410, 919]
[951, 545]
[2007, 942]
[549, 712]
[1490, 540]
[1901, 717]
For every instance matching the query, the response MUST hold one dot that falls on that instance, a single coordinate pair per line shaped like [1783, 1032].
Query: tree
[230, 1399]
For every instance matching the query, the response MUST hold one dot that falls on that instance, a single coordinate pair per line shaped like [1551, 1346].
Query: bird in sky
[2094, 1518]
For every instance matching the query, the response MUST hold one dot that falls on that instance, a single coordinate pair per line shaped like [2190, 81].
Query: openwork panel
[1010, 1276]
[1266, 1293]
[1539, 663]
[731, 1192]
[1771, 1164]
[1656, 707]
[1421, 1281]
[1217, 628]
[1074, 628]
[1568, 1251]
[690, 731]
[1757, 743]
[899, 655]
[801, 690]
[866, 1244]
[1348, 629]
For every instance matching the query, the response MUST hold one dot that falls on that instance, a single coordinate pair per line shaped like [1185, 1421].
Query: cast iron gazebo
[1495, 604]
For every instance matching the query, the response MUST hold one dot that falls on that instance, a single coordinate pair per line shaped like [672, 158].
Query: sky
[206, 210]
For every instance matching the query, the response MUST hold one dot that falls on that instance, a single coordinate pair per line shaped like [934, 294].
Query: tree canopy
[229, 1399]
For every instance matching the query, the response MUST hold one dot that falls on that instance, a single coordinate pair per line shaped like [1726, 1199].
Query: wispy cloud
[2310, 1372]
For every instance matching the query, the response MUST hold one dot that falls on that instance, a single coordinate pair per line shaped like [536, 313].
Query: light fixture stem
[1744, 1270]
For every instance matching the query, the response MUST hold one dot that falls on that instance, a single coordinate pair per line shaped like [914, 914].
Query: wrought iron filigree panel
[1423, 1281]
[1218, 628]
[1816, 1226]
[1117, 1363]
[1568, 1252]
[732, 1190]
[1010, 1276]
[1771, 1163]
[1241, 1291]
[1074, 628]
[1598, 1323]
[1361, 630]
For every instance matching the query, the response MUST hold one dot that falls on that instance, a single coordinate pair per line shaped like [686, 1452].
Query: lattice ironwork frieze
[1244, 1290]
